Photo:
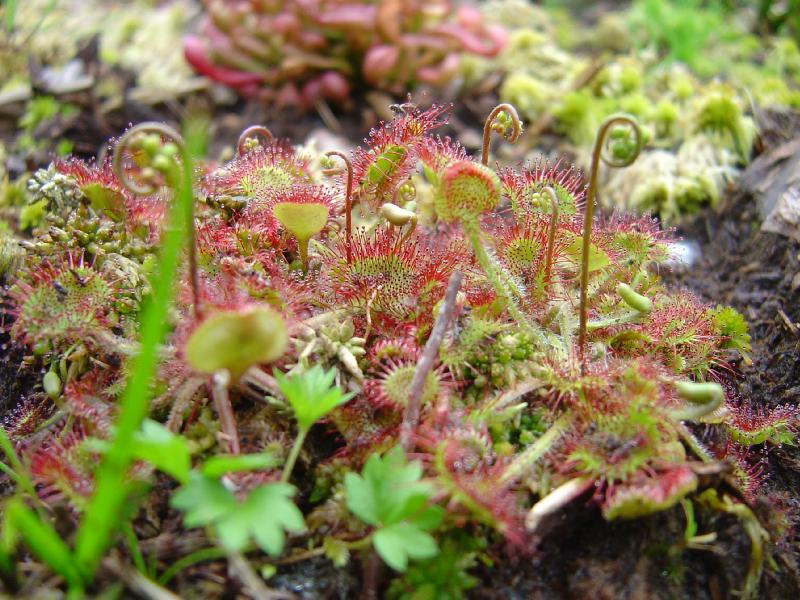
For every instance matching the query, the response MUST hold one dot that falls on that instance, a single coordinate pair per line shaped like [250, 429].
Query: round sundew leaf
[237, 339]
[597, 258]
[301, 220]
[467, 189]
[104, 199]
[396, 386]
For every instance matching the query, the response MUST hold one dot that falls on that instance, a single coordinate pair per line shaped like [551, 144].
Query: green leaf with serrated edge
[428, 519]
[203, 500]
[163, 449]
[264, 516]
[388, 491]
[399, 542]
[311, 395]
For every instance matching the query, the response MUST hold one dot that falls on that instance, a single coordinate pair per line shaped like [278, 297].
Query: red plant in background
[298, 52]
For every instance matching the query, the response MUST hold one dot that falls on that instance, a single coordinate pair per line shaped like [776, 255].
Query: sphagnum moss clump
[528, 352]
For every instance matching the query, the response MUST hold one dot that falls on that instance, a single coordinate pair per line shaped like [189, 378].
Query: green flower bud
[643, 304]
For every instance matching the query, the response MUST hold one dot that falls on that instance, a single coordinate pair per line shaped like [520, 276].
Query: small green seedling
[390, 496]
[264, 516]
[311, 397]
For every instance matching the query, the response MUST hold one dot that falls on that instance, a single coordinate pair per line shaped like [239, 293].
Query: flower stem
[489, 123]
[302, 246]
[588, 215]
[551, 234]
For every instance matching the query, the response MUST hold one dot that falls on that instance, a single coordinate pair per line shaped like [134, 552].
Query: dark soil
[754, 272]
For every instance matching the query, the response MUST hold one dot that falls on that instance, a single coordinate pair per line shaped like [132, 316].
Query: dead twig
[137, 582]
[425, 364]
[788, 322]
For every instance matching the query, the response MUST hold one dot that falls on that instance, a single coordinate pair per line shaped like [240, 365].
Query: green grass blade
[189, 560]
[18, 471]
[44, 542]
[106, 505]
[10, 9]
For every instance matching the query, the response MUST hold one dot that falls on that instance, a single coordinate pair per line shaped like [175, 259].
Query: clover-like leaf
[389, 490]
[390, 496]
[203, 500]
[264, 516]
[397, 543]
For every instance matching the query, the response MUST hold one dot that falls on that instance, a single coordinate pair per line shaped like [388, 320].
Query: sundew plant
[402, 352]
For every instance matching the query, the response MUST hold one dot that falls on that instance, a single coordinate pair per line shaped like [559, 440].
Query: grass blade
[44, 542]
[102, 515]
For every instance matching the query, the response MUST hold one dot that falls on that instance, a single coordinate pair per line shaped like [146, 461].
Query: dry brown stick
[425, 364]
[137, 582]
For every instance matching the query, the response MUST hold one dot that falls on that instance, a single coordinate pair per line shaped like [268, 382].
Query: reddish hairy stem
[222, 402]
[348, 201]
[250, 132]
[597, 154]
[425, 364]
[551, 233]
[147, 188]
[487, 128]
